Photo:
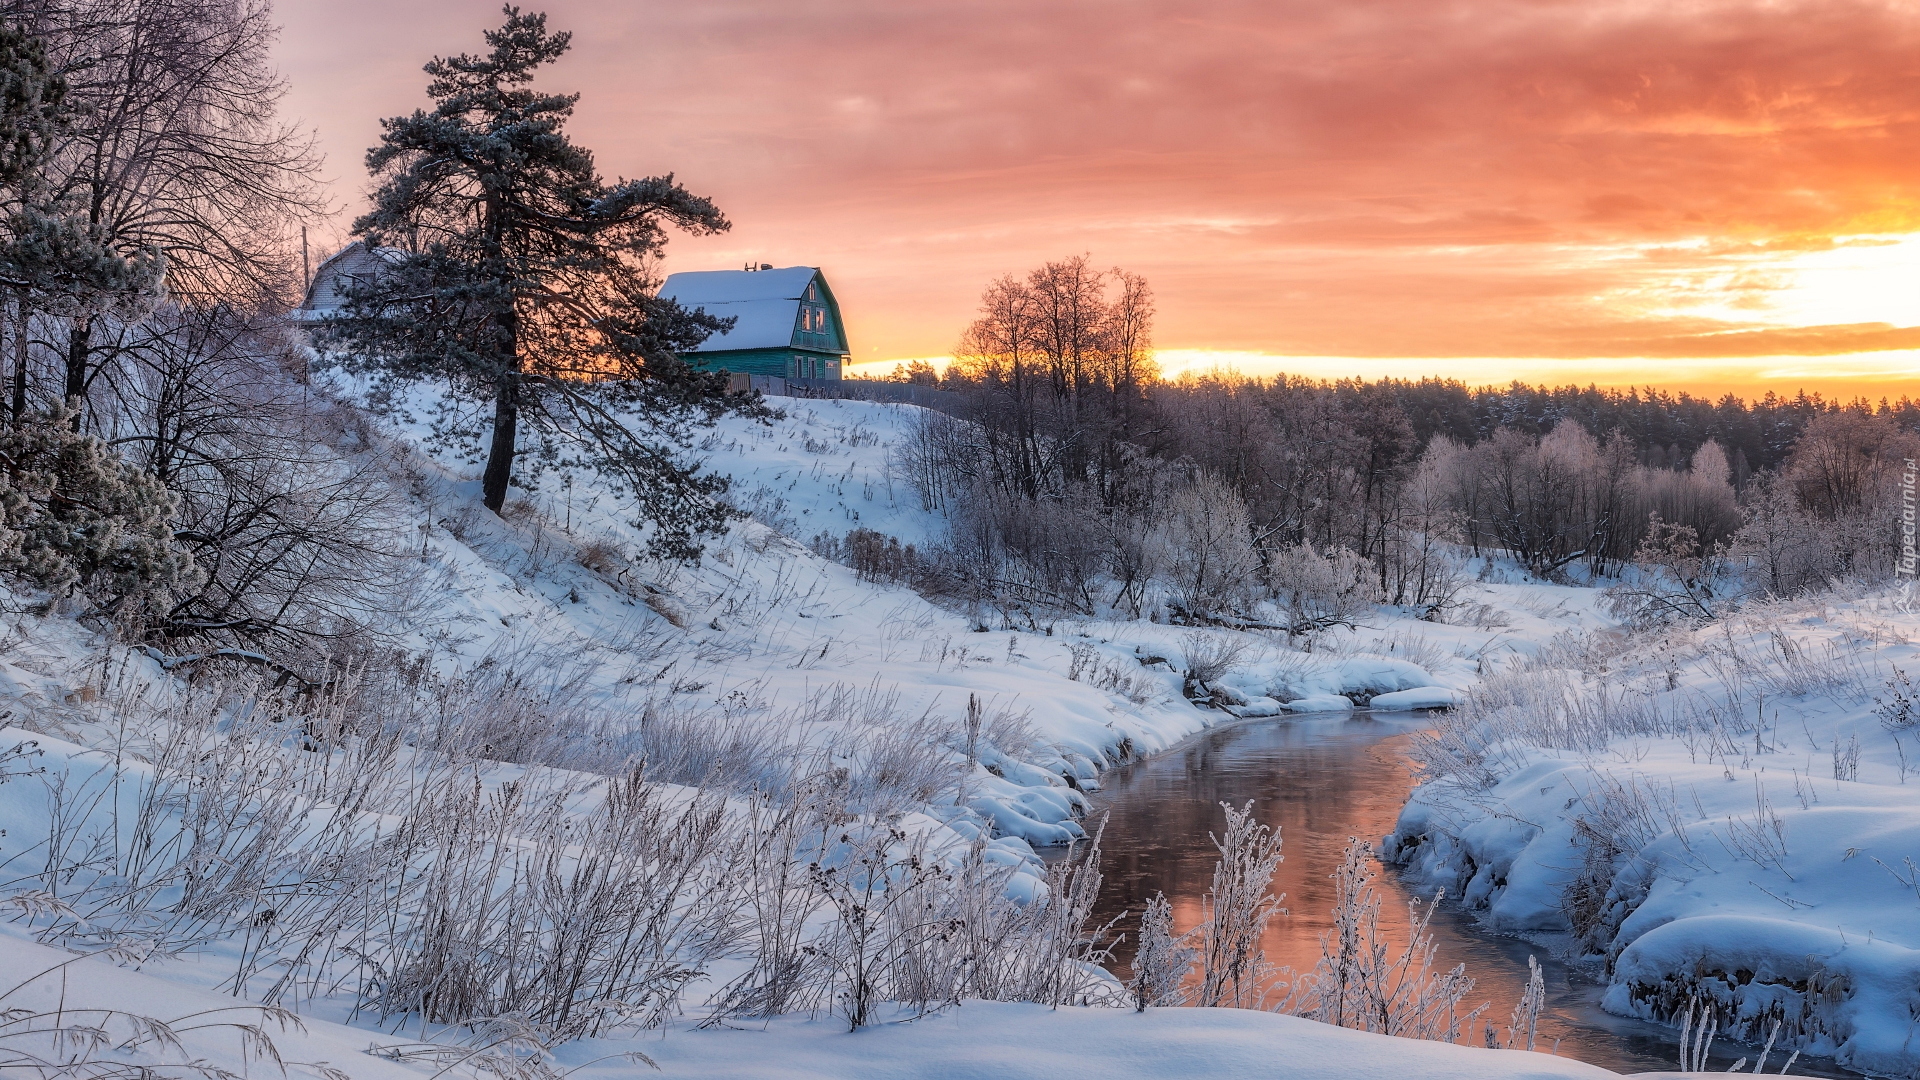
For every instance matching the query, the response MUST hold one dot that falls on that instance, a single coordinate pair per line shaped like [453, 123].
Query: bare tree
[176, 148]
[284, 498]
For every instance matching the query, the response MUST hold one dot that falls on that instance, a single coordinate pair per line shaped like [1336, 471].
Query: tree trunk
[79, 346]
[506, 429]
[19, 404]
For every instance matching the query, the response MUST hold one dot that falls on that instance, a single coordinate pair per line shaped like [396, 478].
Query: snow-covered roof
[765, 304]
[350, 265]
[698, 288]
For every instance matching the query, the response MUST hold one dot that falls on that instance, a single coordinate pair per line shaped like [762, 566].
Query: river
[1320, 781]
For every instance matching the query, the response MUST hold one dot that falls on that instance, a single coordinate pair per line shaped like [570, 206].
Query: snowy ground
[977, 1041]
[764, 632]
[1716, 812]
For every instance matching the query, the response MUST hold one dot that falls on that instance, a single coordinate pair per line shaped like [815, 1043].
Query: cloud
[1370, 177]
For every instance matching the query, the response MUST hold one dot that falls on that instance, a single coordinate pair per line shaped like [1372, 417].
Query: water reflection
[1320, 782]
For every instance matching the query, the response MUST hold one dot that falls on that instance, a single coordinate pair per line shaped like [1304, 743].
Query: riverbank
[976, 1040]
[1714, 816]
[1320, 780]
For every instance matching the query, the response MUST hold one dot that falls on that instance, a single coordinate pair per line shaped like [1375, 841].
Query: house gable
[786, 321]
[355, 264]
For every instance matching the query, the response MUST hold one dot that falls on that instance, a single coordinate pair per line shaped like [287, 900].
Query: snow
[1752, 856]
[982, 1040]
[973, 1041]
[765, 303]
[758, 324]
[1319, 703]
[1420, 697]
[695, 287]
[762, 628]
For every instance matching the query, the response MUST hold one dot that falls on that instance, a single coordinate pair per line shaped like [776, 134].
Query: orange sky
[1691, 194]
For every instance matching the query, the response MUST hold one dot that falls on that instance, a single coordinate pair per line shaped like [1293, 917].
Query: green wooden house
[786, 322]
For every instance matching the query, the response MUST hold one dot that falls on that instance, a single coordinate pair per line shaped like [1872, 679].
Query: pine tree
[521, 281]
[32, 97]
[75, 518]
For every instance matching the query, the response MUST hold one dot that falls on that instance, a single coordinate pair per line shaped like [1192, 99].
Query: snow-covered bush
[1361, 982]
[75, 518]
[909, 927]
[1316, 591]
[1162, 961]
[1210, 658]
[1233, 967]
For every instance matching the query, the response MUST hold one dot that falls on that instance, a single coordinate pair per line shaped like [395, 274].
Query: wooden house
[786, 322]
[355, 264]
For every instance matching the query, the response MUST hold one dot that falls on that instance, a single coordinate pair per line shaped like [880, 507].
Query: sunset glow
[1714, 195]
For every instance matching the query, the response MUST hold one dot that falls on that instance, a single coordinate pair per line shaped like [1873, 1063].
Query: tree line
[1077, 480]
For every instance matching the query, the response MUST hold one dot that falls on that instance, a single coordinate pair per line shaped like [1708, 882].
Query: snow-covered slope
[1717, 812]
[767, 639]
[976, 1040]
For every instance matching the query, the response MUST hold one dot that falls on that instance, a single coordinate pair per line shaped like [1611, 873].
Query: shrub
[1210, 658]
[1163, 961]
[1675, 576]
[1316, 591]
[1233, 967]
[74, 518]
[1361, 982]
[1900, 709]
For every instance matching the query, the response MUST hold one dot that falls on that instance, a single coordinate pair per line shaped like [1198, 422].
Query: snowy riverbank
[762, 651]
[1716, 813]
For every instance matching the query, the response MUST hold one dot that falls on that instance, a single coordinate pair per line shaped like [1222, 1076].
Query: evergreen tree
[74, 517]
[32, 95]
[521, 281]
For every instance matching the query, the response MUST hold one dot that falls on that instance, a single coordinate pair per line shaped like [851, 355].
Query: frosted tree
[1211, 563]
[52, 257]
[523, 283]
[171, 158]
[1317, 591]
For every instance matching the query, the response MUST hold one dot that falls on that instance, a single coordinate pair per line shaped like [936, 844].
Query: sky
[1700, 195]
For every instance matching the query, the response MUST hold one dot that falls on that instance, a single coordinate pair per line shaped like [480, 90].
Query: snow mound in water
[1425, 697]
[1321, 703]
[1777, 960]
[1376, 675]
